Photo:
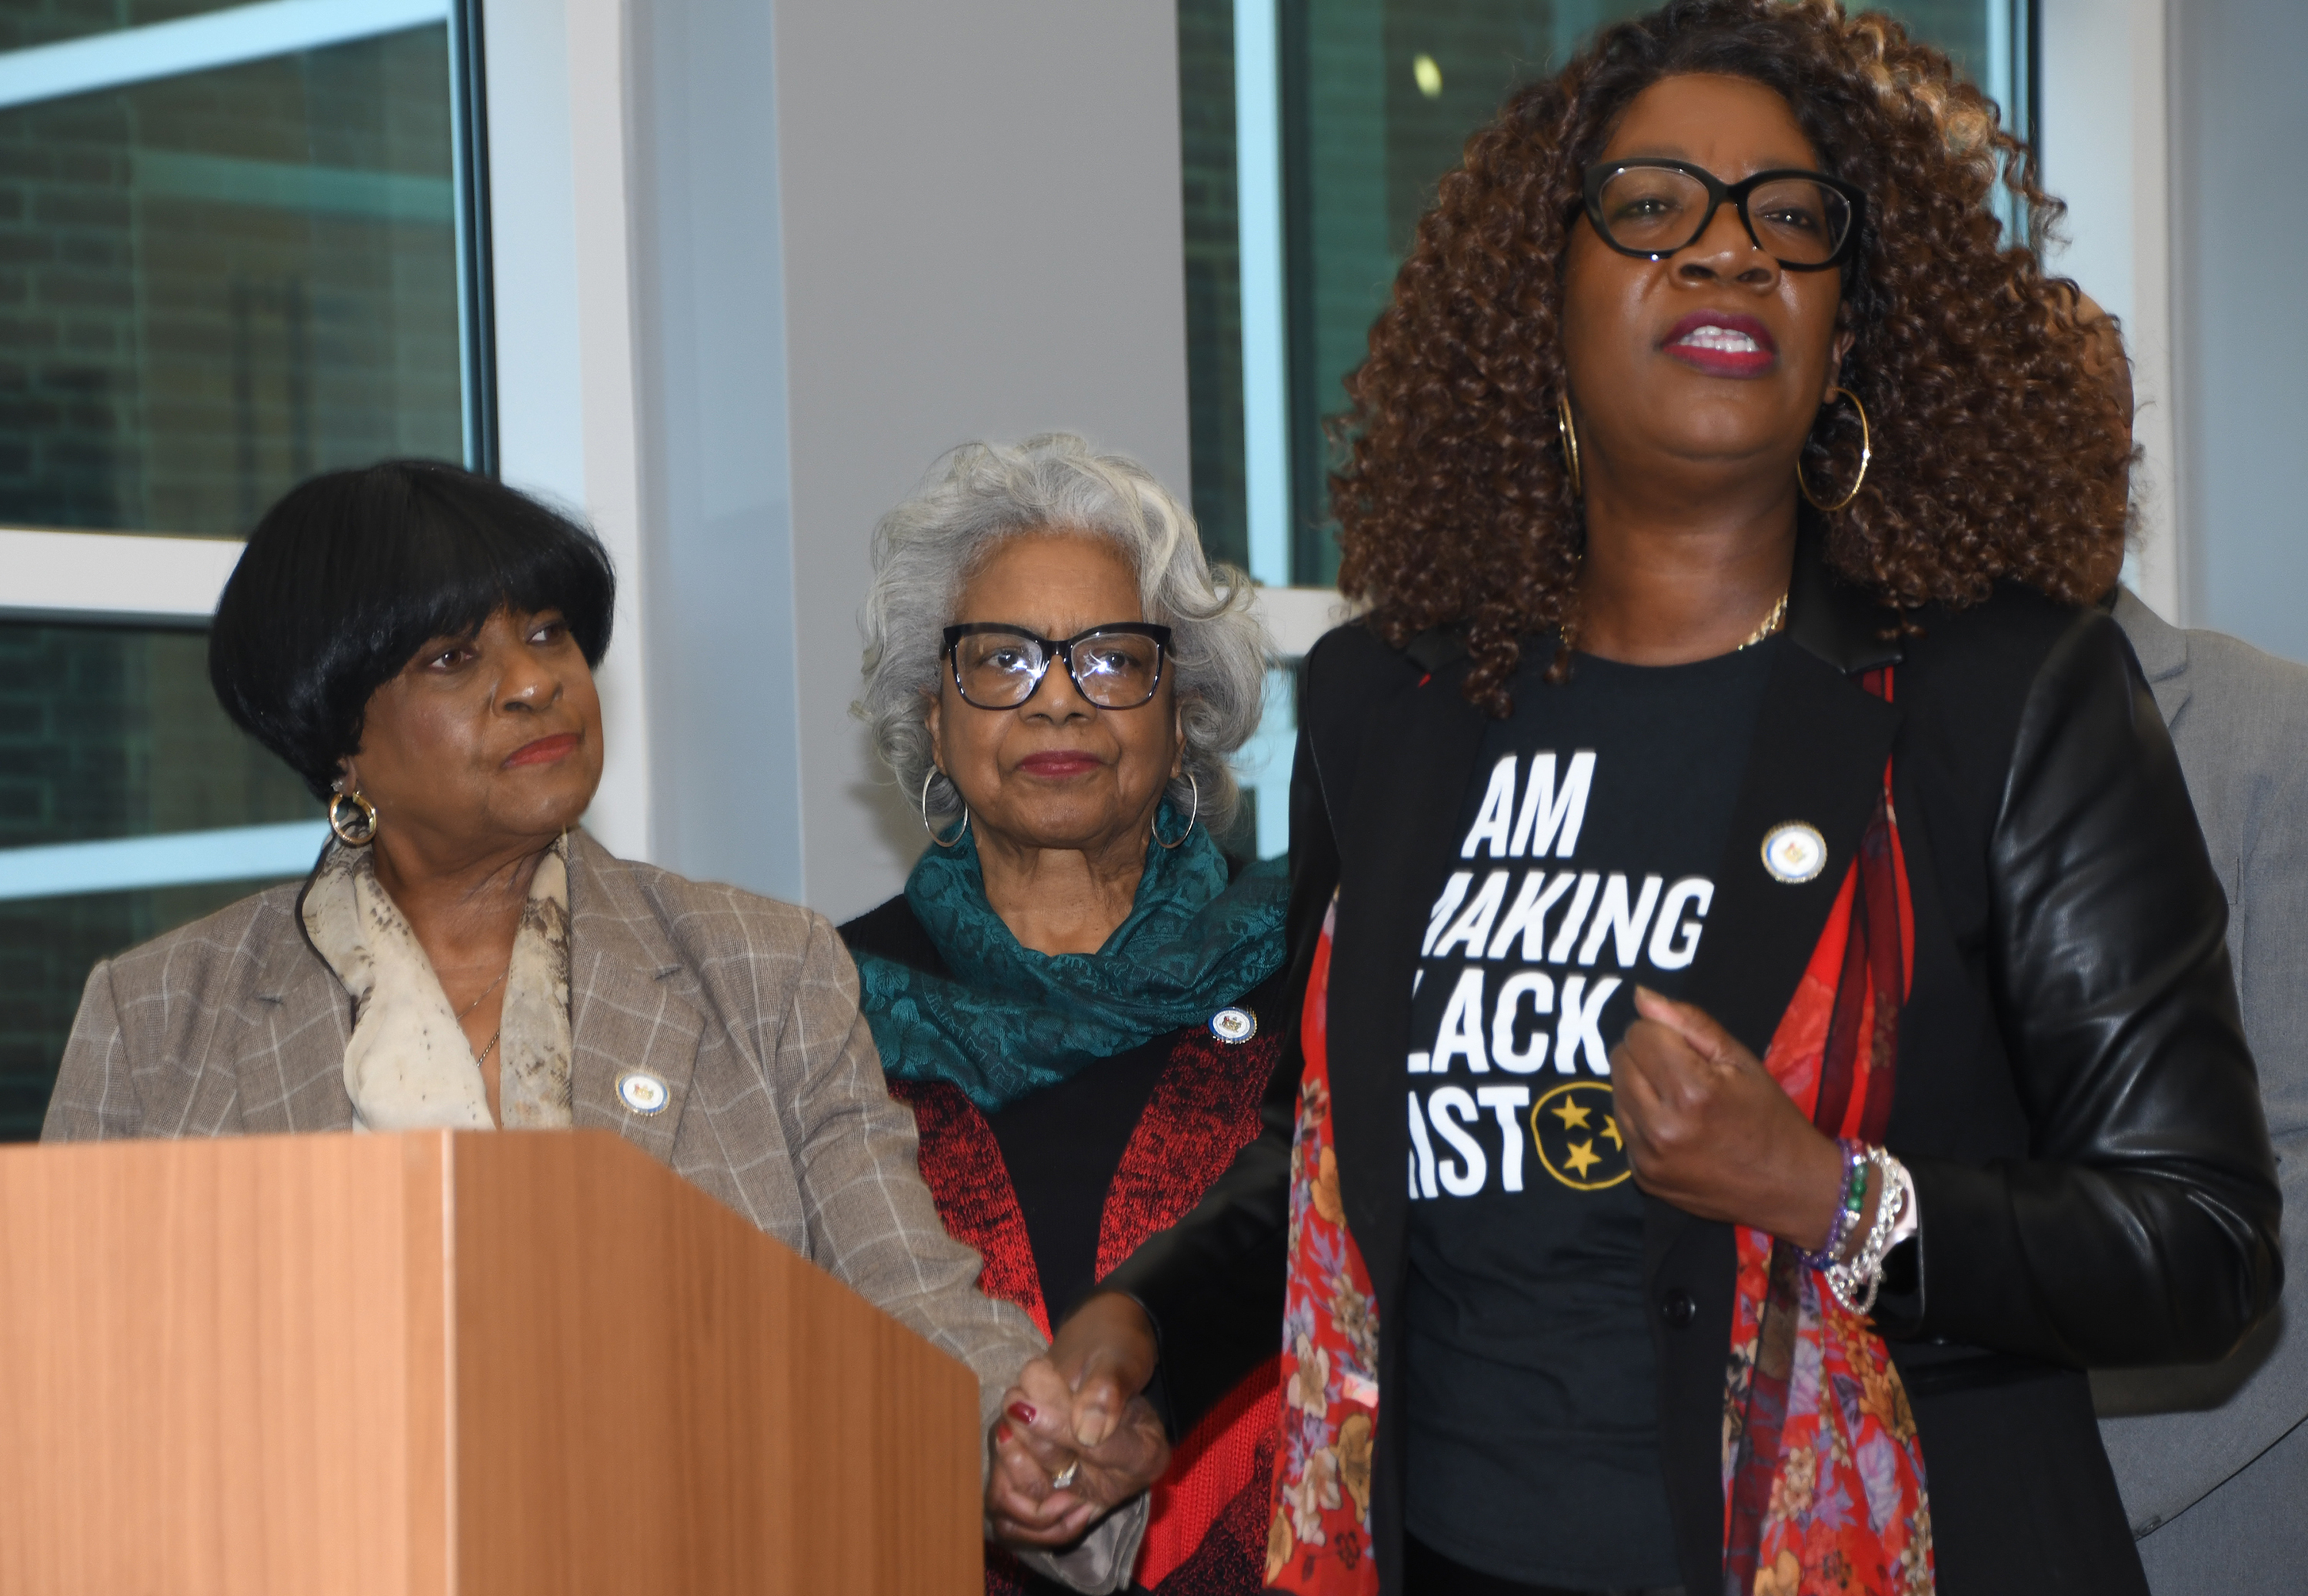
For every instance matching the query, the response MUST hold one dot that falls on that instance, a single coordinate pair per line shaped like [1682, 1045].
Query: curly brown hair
[1998, 455]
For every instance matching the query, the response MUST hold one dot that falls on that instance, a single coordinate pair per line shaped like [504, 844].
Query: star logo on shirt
[1577, 1136]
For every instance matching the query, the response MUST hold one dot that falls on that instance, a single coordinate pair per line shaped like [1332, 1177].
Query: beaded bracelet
[1847, 1215]
[1865, 1269]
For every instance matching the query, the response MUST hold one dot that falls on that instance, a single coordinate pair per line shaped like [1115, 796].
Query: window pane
[27, 23]
[1213, 275]
[1378, 98]
[213, 286]
[110, 731]
[47, 946]
[1390, 91]
[107, 733]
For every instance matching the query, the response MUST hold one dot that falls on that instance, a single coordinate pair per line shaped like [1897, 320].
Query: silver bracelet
[1863, 1270]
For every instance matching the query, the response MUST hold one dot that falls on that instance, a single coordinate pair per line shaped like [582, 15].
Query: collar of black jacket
[1827, 618]
[1833, 620]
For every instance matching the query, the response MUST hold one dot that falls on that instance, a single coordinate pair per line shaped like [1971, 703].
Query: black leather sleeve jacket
[2075, 1098]
[2141, 1216]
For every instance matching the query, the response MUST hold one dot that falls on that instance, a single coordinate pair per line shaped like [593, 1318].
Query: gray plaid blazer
[746, 1007]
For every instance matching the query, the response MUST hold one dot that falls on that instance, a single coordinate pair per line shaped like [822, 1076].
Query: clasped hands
[1707, 1128]
[1075, 1414]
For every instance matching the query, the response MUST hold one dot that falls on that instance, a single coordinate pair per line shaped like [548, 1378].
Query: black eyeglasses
[999, 666]
[1806, 221]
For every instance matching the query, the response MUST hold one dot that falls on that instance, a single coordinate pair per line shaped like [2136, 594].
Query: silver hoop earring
[1197, 810]
[942, 842]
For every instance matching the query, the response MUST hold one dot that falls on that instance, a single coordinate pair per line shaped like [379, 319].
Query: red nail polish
[1022, 1413]
[1001, 1430]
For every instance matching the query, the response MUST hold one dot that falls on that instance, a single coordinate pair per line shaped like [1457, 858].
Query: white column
[716, 481]
[565, 333]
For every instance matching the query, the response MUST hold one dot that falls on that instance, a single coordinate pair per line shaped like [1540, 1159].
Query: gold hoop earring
[353, 836]
[942, 842]
[1867, 453]
[1191, 817]
[1570, 435]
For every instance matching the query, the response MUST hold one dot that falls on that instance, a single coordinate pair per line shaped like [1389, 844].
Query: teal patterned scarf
[1008, 1021]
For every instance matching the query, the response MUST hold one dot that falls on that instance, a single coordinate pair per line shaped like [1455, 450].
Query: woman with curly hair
[1767, 1030]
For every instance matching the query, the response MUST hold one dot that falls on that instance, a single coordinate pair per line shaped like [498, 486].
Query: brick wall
[107, 731]
[210, 287]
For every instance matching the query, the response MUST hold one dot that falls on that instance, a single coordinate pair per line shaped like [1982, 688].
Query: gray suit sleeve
[95, 1095]
[2175, 1436]
[871, 1221]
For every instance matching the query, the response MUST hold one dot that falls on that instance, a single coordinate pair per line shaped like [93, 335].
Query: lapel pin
[641, 1092]
[1794, 853]
[1234, 1025]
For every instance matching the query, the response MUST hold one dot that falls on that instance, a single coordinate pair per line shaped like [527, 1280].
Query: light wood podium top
[446, 1365]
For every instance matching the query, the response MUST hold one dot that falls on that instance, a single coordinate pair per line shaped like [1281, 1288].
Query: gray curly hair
[979, 496]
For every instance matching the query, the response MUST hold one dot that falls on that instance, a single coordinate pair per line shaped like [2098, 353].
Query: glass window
[216, 285]
[27, 23]
[237, 246]
[1368, 103]
[108, 734]
[1206, 110]
[1373, 101]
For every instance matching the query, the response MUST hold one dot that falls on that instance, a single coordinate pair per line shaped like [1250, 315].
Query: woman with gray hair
[1077, 991]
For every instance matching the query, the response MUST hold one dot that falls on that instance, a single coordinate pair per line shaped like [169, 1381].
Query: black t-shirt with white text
[1587, 841]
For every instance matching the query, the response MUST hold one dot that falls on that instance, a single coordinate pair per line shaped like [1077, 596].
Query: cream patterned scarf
[408, 1065]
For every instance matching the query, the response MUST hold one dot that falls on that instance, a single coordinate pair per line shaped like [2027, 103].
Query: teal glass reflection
[213, 286]
[108, 732]
[24, 23]
[1206, 147]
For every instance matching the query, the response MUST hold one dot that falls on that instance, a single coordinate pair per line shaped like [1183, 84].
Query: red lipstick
[545, 751]
[1723, 344]
[1058, 763]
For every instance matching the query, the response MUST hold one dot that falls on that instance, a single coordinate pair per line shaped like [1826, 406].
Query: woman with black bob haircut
[418, 643]
[1766, 1030]
[310, 627]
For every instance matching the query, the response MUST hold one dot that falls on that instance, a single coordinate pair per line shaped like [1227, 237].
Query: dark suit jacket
[2074, 1099]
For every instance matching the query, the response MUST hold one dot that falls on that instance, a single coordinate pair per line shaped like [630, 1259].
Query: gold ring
[1065, 1476]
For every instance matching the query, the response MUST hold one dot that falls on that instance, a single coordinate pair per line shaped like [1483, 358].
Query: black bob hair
[352, 572]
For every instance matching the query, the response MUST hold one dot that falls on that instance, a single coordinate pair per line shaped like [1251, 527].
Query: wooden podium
[458, 1365]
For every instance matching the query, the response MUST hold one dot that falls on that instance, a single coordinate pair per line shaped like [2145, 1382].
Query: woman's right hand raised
[1078, 1407]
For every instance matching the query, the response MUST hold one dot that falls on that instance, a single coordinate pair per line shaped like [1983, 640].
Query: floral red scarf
[1822, 1472]
[1318, 1541]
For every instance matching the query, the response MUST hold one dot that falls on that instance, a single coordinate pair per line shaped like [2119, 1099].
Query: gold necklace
[1773, 623]
[499, 981]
